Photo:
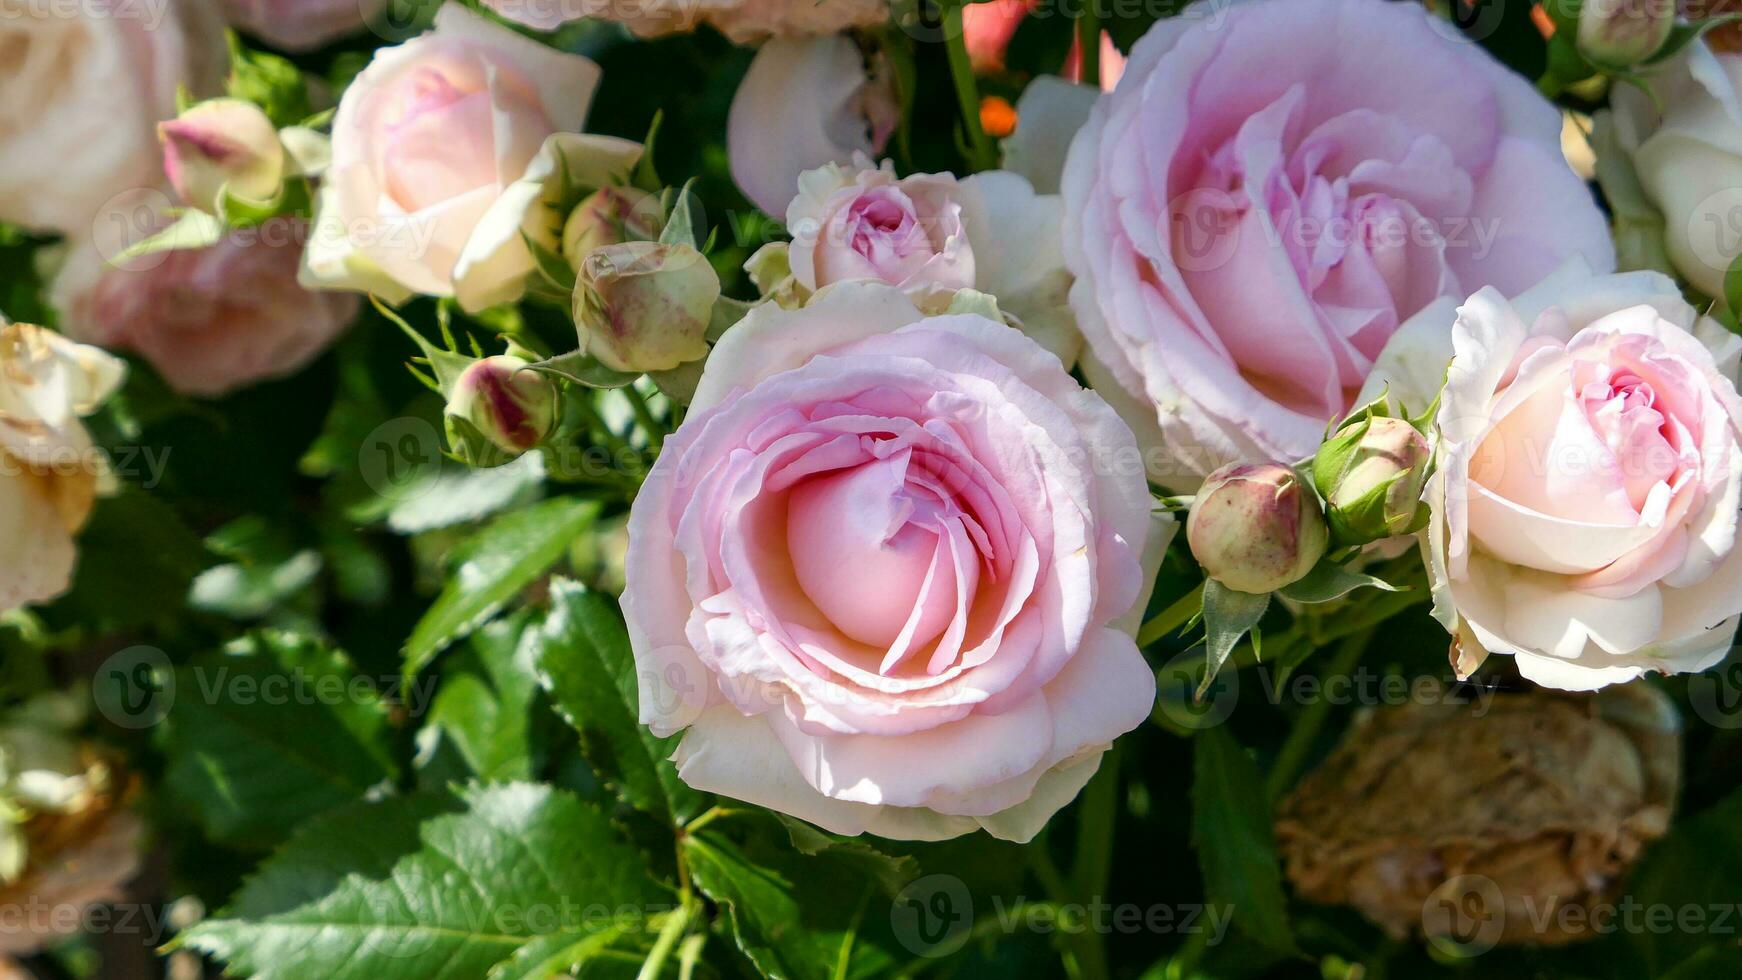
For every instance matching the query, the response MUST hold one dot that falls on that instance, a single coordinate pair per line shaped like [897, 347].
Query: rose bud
[610, 216]
[1623, 33]
[1371, 475]
[645, 306]
[222, 146]
[497, 402]
[1470, 822]
[1256, 527]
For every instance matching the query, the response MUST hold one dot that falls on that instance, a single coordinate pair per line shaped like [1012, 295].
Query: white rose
[1688, 158]
[1584, 512]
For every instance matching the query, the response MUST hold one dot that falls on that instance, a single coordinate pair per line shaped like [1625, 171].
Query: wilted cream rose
[50, 473]
[68, 841]
[83, 94]
[426, 142]
[1478, 822]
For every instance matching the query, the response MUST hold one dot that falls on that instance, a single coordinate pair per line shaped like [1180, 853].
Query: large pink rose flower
[1590, 474]
[1274, 190]
[209, 320]
[884, 574]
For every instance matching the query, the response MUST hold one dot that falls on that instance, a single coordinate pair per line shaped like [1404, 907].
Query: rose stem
[982, 154]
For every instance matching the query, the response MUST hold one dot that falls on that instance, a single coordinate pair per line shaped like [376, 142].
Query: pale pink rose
[1274, 190]
[885, 572]
[210, 320]
[83, 96]
[302, 25]
[865, 223]
[932, 234]
[740, 20]
[806, 102]
[1590, 474]
[426, 140]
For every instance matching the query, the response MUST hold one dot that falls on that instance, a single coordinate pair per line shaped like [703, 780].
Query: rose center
[875, 553]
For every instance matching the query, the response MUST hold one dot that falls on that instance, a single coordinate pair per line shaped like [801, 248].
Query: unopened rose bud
[500, 401]
[1623, 33]
[1256, 527]
[609, 216]
[645, 306]
[1371, 474]
[225, 145]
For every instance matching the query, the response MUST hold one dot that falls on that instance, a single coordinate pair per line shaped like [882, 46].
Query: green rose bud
[1370, 474]
[609, 216]
[1623, 33]
[498, 410]
[1256, 527]
[645, 306]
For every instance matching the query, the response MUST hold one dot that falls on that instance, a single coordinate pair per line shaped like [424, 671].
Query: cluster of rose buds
[1259, 527]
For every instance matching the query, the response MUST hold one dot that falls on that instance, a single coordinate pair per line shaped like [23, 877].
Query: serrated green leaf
[1228, 615]
[1329, 580]
[892, 871]
[454, 495]
[1231, 830]
[484, 708]
[521, 861]
[585, 662]
[555, 955]
[276, 730]
[796, 917]
[492, 567]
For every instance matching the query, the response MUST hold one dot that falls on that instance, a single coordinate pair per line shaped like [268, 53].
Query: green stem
[675, 926]
[644, 415]
[1093, 864]
[982, 154]
[1301, 736]
[1089, 44]
[1171, 618]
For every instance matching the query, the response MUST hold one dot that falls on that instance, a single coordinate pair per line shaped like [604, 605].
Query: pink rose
[864, 223]
[805, 102]
[84, 94]
[210, 320]
[1590, 473]
[426, 140]
[884, 573]
[302, 25]
[1274, 190]
[932, 234]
